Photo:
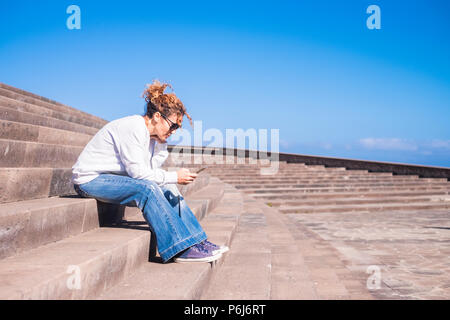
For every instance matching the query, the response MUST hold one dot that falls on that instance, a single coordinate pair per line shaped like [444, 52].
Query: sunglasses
[173, 125]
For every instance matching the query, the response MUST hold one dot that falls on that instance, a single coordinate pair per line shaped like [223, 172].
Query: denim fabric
[175, 230]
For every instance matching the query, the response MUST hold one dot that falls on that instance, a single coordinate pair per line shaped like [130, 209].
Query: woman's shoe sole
[221, 250]
[194, 260]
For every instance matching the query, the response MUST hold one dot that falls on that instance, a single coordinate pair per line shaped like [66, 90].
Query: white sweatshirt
[123, 147]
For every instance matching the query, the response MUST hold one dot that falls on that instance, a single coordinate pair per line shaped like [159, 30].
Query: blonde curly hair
[165, 103]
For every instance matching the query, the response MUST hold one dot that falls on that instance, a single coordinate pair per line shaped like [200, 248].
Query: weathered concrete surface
[11, 130]
[11, 114]
[28, 104]
[411, 249]
[54, 105]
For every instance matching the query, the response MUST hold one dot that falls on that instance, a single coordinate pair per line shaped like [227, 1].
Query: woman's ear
[156, 117]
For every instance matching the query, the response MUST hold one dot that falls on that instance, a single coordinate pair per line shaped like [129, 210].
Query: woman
[122, 163]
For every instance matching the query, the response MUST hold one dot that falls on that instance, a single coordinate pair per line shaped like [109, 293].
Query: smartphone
[200, 170]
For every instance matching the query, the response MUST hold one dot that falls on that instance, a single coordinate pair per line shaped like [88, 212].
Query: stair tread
[264, 262]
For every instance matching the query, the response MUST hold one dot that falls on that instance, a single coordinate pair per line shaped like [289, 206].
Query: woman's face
[162, 126]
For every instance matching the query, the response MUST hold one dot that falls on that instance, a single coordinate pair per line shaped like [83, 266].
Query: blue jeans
[175, 231]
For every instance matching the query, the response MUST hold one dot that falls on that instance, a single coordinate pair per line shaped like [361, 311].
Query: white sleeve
[160, 155]
[132, 154]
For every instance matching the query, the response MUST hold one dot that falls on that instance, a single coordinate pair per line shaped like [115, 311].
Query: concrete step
[28, 224]
[229, 166]
[301, 196]
[212, 196]
[367, 207]
[21, 95]
[333, 179]
[305, 175]
[24, 154]
[218, 161]
[46, 182]
[361, 200]
[104, 257]
[200, 182]
[347, 189]
[10, 130]
[282, 171]
[39, 120]
[37, 109]
[333, 275]
[100, 258]
[154, 281]
[265, 262]
[337, 185]
[246, 270]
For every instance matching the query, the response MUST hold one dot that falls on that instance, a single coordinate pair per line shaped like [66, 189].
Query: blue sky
[311, 69]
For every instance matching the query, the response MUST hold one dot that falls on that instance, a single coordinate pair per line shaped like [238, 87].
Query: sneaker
[197, 253]
[214, 247]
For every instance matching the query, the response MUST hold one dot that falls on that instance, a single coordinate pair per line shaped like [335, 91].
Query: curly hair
[165, 103]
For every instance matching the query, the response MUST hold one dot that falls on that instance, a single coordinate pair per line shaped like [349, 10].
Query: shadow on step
[115, 216]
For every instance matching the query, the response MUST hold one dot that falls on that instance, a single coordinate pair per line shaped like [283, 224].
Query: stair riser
[342, 202]
[46, 182]
[369, 209]
[200, 182]
[20, 154]
[212, 199]
[360, 190]
[36, 109]
[327, 181]
[337, 185]
[226, 168]
[38, 120]
[257, 172]
[302, 195]
[51, 104]
[303, 175]
[28, 229]
[25, 132]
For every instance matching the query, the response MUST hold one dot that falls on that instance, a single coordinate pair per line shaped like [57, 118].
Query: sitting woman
[122, 163]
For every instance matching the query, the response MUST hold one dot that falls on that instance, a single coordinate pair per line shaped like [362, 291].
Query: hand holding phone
[185, 176]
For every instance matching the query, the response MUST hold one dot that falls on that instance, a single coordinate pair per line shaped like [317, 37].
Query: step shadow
[112, 215]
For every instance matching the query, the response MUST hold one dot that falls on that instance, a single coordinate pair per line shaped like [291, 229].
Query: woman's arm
[133, 152]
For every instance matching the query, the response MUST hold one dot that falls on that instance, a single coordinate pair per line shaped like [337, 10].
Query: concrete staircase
[56, 245]
[47, 232]
[270, 258]
[300, 188]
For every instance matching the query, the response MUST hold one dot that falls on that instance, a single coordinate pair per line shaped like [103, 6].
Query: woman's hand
[185, 176]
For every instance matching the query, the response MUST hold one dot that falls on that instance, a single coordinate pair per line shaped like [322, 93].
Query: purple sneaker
[197, 253]
[214, 247]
